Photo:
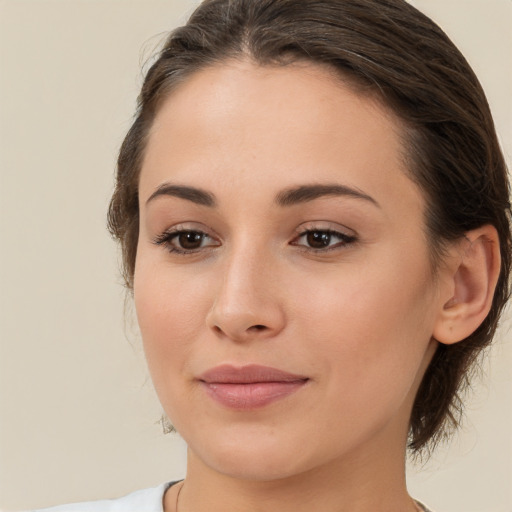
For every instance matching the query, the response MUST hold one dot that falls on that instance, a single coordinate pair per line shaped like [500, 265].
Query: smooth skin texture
[235, 266]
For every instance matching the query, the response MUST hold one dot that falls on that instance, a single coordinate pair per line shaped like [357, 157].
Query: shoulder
[144, 500]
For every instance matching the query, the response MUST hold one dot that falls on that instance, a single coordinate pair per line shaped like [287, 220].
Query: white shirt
[145, 500]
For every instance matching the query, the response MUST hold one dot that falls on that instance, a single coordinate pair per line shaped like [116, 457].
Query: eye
[185, 240]
[323, 239]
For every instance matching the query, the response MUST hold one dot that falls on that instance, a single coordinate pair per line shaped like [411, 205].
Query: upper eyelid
[190, 226]
[338, 231]
[330, 226]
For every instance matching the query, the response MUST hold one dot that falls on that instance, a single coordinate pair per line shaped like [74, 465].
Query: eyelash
[345, 240]
[166, 240]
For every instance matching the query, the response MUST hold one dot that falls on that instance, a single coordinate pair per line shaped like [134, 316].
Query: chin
[257, 467]
[260, 454]
[249, 453]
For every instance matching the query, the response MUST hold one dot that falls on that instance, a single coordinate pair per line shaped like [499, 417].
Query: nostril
[258, 327]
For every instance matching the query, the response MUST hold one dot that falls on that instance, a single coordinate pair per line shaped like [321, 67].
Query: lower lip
[253, 395]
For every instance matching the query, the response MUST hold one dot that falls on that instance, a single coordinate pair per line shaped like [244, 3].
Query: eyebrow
[305, 193]
[196, 195]
[288, 197]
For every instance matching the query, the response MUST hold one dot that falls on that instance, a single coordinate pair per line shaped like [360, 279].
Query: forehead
[250, 126]
[309, 93]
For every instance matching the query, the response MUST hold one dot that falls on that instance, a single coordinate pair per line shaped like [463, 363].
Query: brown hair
[390, 48]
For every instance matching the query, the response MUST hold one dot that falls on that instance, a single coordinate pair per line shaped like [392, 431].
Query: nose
[247, 302]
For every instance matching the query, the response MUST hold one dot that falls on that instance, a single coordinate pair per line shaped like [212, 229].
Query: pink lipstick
[251, 386]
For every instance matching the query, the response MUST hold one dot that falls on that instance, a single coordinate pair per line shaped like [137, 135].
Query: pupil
[190, 240]
[318, 239]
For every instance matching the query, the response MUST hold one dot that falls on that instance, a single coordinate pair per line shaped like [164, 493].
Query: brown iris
[190, 240]
[318, 239]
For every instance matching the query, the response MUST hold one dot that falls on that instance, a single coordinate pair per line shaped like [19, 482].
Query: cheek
[171, 311]
[371, 328]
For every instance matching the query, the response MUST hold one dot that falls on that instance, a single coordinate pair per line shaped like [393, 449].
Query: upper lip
[251, 373]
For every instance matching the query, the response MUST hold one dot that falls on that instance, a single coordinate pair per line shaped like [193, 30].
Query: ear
[468, 285]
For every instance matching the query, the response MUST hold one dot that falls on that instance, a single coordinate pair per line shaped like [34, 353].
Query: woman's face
[283, 285]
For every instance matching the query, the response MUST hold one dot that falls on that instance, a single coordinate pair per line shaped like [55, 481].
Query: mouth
[249, 387]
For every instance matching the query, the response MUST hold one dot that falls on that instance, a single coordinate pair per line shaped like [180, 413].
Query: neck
[359, 483]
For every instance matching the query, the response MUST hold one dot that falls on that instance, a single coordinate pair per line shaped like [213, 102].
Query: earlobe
[470, 283]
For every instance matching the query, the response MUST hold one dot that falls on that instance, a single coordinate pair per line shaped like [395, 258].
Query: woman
[314, 216]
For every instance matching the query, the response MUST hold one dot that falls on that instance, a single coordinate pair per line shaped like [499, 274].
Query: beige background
[78, 417]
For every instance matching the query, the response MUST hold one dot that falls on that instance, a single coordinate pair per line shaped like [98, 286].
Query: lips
[251, 386]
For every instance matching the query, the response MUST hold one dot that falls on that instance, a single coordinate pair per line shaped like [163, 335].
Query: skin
[356, 319]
